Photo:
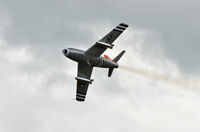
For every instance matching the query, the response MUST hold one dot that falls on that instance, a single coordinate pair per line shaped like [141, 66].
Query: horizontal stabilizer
[110, 72]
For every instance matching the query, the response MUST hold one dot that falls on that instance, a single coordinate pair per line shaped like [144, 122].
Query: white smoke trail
[190, 83]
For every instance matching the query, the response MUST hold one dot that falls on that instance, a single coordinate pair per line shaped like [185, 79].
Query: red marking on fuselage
[107, 57]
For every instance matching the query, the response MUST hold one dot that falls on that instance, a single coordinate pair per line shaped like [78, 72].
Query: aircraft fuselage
[80, 56]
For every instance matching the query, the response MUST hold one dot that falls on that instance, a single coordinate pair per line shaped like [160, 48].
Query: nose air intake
[65, 52]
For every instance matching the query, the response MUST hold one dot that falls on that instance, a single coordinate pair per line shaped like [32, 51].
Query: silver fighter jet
[92, 58]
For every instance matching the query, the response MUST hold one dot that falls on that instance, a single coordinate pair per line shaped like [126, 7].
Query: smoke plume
[179, 81]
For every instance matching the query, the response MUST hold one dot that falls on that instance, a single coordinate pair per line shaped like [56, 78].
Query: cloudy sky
[159, 91]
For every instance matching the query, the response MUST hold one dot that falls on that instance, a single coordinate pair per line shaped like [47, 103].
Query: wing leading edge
[83, 80]
[106, 42]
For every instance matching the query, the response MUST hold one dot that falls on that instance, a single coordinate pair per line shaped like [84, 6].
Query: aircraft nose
[65, 52]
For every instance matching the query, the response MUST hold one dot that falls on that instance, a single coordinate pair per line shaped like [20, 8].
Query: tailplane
[110, 72]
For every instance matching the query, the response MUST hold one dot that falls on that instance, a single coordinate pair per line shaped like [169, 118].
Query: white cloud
[16, 55]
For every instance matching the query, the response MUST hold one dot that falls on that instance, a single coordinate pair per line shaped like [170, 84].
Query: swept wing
[106, 42]
[83, 80]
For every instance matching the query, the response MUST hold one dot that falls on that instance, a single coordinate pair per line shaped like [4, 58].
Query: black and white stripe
[121, 27]
[118, 30]
[123, 24]
[80, 96]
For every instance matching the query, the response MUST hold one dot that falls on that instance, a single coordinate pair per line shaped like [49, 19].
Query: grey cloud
[55, 23]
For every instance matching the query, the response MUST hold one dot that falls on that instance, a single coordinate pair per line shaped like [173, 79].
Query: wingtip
[80, 100]
[124, 24]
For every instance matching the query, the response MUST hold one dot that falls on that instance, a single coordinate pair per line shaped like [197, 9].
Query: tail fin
[116, 59]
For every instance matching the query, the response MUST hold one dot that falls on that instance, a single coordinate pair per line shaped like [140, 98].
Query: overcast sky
[37, 88]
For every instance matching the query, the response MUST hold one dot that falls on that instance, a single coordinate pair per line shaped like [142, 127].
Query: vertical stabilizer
[116, 59]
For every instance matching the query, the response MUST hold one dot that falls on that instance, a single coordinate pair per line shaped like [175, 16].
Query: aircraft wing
[83, 80]
[106, 42]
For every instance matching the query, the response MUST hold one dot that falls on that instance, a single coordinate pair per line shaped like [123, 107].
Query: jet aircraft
[92, 58]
